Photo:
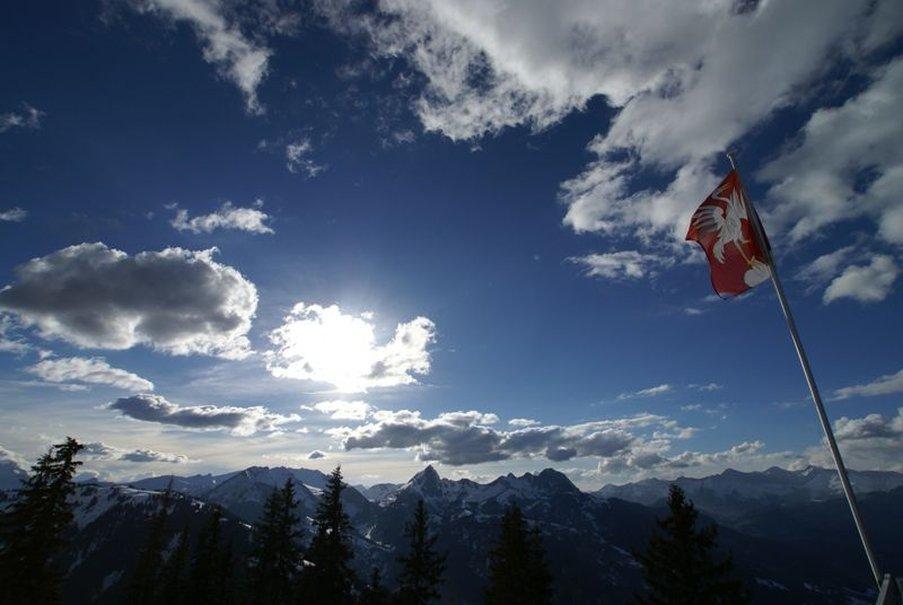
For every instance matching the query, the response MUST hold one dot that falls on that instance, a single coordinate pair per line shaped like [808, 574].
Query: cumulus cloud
[342, 410]
[522, 422]
[873, 441]
[457, 438]
[29, 118]
[847, 163]
[93, 370]
[228, 216]
[101, 451]
[865, 283]
[177, 301]
[825, 268]
[241, 421]
[13, 215]
[883, 385]
[652, 459]
[323, 344]
[237, 58]
[687, 80]
[648, 392]
[625, 264]
[298, 160]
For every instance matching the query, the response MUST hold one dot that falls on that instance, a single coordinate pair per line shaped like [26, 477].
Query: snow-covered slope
[111, 527]
[378, 492]
[193, 484]
[11, 474]
[245, 492]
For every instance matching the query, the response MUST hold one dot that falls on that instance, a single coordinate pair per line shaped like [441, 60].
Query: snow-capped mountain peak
[428, 485]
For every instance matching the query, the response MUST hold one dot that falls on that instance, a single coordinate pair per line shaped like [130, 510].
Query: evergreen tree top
[680, 566]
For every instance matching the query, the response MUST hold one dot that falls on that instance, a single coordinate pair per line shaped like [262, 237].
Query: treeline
[284, 566]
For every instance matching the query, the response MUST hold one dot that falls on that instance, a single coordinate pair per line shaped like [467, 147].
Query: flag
[722, 227]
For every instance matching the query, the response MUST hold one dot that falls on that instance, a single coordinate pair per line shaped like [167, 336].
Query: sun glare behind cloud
[323, 344]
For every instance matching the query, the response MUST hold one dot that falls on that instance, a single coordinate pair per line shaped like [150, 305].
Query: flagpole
[810, 380]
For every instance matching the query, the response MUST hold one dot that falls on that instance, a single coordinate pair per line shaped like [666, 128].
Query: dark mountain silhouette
[802, 550]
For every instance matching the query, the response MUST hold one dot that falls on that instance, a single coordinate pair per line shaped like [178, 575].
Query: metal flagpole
[810, 380]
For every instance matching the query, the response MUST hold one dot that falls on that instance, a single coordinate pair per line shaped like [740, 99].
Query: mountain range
[732, 494]
[766, 520]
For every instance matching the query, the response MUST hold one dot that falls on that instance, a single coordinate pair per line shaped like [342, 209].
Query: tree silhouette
[276, 557]
[679, 566]
[422, 566]
[374, 592]
[517, 568]
[211, 578]
[32, 530]
[144, 586]
[173, 576]
[329, 578]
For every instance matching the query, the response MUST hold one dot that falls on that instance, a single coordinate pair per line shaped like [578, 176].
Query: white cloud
[648, 392]
[60, 386]
[624, 264]
[101, 451]
[826, 267]
[342, 410]
[867, 283]
[848, 162]
[523, 422]
[687, 79]
[298, 160]
[709, 386]
[883, 385]
[13, 215]
[323, 344]
[871, 442]
[175, 300]
[93, 370]
[241, 421]
[9, 341]
[29, 118]
[228, 216]
[237, 57]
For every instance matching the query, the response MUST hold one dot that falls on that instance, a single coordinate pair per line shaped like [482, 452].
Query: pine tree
[374, 592]
[210, 580]
[517, 568]
[422, 566]
[276, 554]
[329, 578]
[680, 568]
[173, 576]
[144, 585]
[32, 530]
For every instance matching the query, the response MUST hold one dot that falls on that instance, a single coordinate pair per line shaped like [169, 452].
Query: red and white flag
[722, 227]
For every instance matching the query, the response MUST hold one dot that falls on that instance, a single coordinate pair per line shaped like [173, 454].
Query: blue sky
[432, 218]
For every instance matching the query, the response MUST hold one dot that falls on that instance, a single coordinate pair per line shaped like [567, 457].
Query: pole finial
[730, 157]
